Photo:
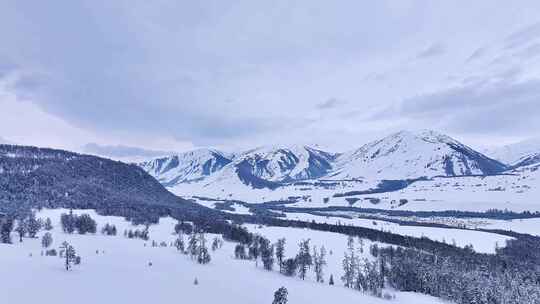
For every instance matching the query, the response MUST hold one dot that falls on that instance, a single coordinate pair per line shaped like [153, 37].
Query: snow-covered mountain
[186, 167]
[284, 164]
[268, 167]
[403, 155]
[520, 154]
[407, 154]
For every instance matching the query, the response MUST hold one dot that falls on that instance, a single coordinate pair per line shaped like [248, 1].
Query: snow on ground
[519, 192]
[528, 226]
[334, 244]
[120, 271]
[483, 242]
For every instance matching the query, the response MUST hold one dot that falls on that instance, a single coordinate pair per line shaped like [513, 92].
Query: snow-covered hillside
[283, 164]
[518, 154]
[186, 167]
[116, 270]
[402, 155]
[405, 155]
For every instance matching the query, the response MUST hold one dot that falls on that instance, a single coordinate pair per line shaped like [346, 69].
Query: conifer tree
[33, 225]
[48, 224]
[6, 225]
[179, 243]
[68, 253]
[303, 258]
[46, 240]
[193, 247]
[280, 296]
[203, 256]
[240, 252]
[267, 254]
[21, 229]
[319, 261]
[280, 252]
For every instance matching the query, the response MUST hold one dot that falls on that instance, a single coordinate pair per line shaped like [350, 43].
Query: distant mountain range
[403, 155]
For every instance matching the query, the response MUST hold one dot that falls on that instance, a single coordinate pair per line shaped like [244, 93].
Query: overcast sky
[174, 75]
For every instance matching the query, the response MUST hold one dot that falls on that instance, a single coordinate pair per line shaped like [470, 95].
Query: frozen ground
[518, 192]
[482, 241]
[119, 272]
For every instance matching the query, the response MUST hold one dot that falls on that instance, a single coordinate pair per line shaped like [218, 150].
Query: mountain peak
[407, 154]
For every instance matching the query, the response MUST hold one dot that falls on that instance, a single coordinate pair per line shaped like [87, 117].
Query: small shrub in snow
[48, 224]
[46, 240]
[51, 252]
[280, 296]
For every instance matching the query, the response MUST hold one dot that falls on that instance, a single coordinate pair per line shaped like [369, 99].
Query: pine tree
[289, 267]
[349, 264]
[46, 240]
[85, 224]
[267, 254]
[254, 249]
[203, 256]
[33, 225]
[68, 252]
[6, 225]
[68, 222]
[216, 244]
[240, 252]
[280, 296]
[319, 261]
[179, 243]
[193, 248]
[280, 252]
[48, 224]
[21, 229]
[303, 258]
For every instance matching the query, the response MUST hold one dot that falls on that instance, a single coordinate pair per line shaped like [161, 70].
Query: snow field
[120, 271]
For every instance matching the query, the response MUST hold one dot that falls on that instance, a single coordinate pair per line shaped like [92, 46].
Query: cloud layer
[177, 74]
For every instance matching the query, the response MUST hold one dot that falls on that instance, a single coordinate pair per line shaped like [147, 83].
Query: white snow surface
[184, 167]
[483, 242]
[514, 153]
[404, 155]
[120, 271]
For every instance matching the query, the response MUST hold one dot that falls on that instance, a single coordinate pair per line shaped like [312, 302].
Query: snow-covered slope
[283, 164]
[120, 269]
[406, 155]
[263, 167]
[186, 167]
[519, 154]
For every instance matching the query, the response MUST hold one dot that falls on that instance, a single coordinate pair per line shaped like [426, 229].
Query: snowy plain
[115, 269]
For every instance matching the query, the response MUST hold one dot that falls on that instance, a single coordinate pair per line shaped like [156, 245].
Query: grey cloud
[478, 53]
[330, 103]
[435, 49]
[523, 36]
[120, 151]
[494, 108]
